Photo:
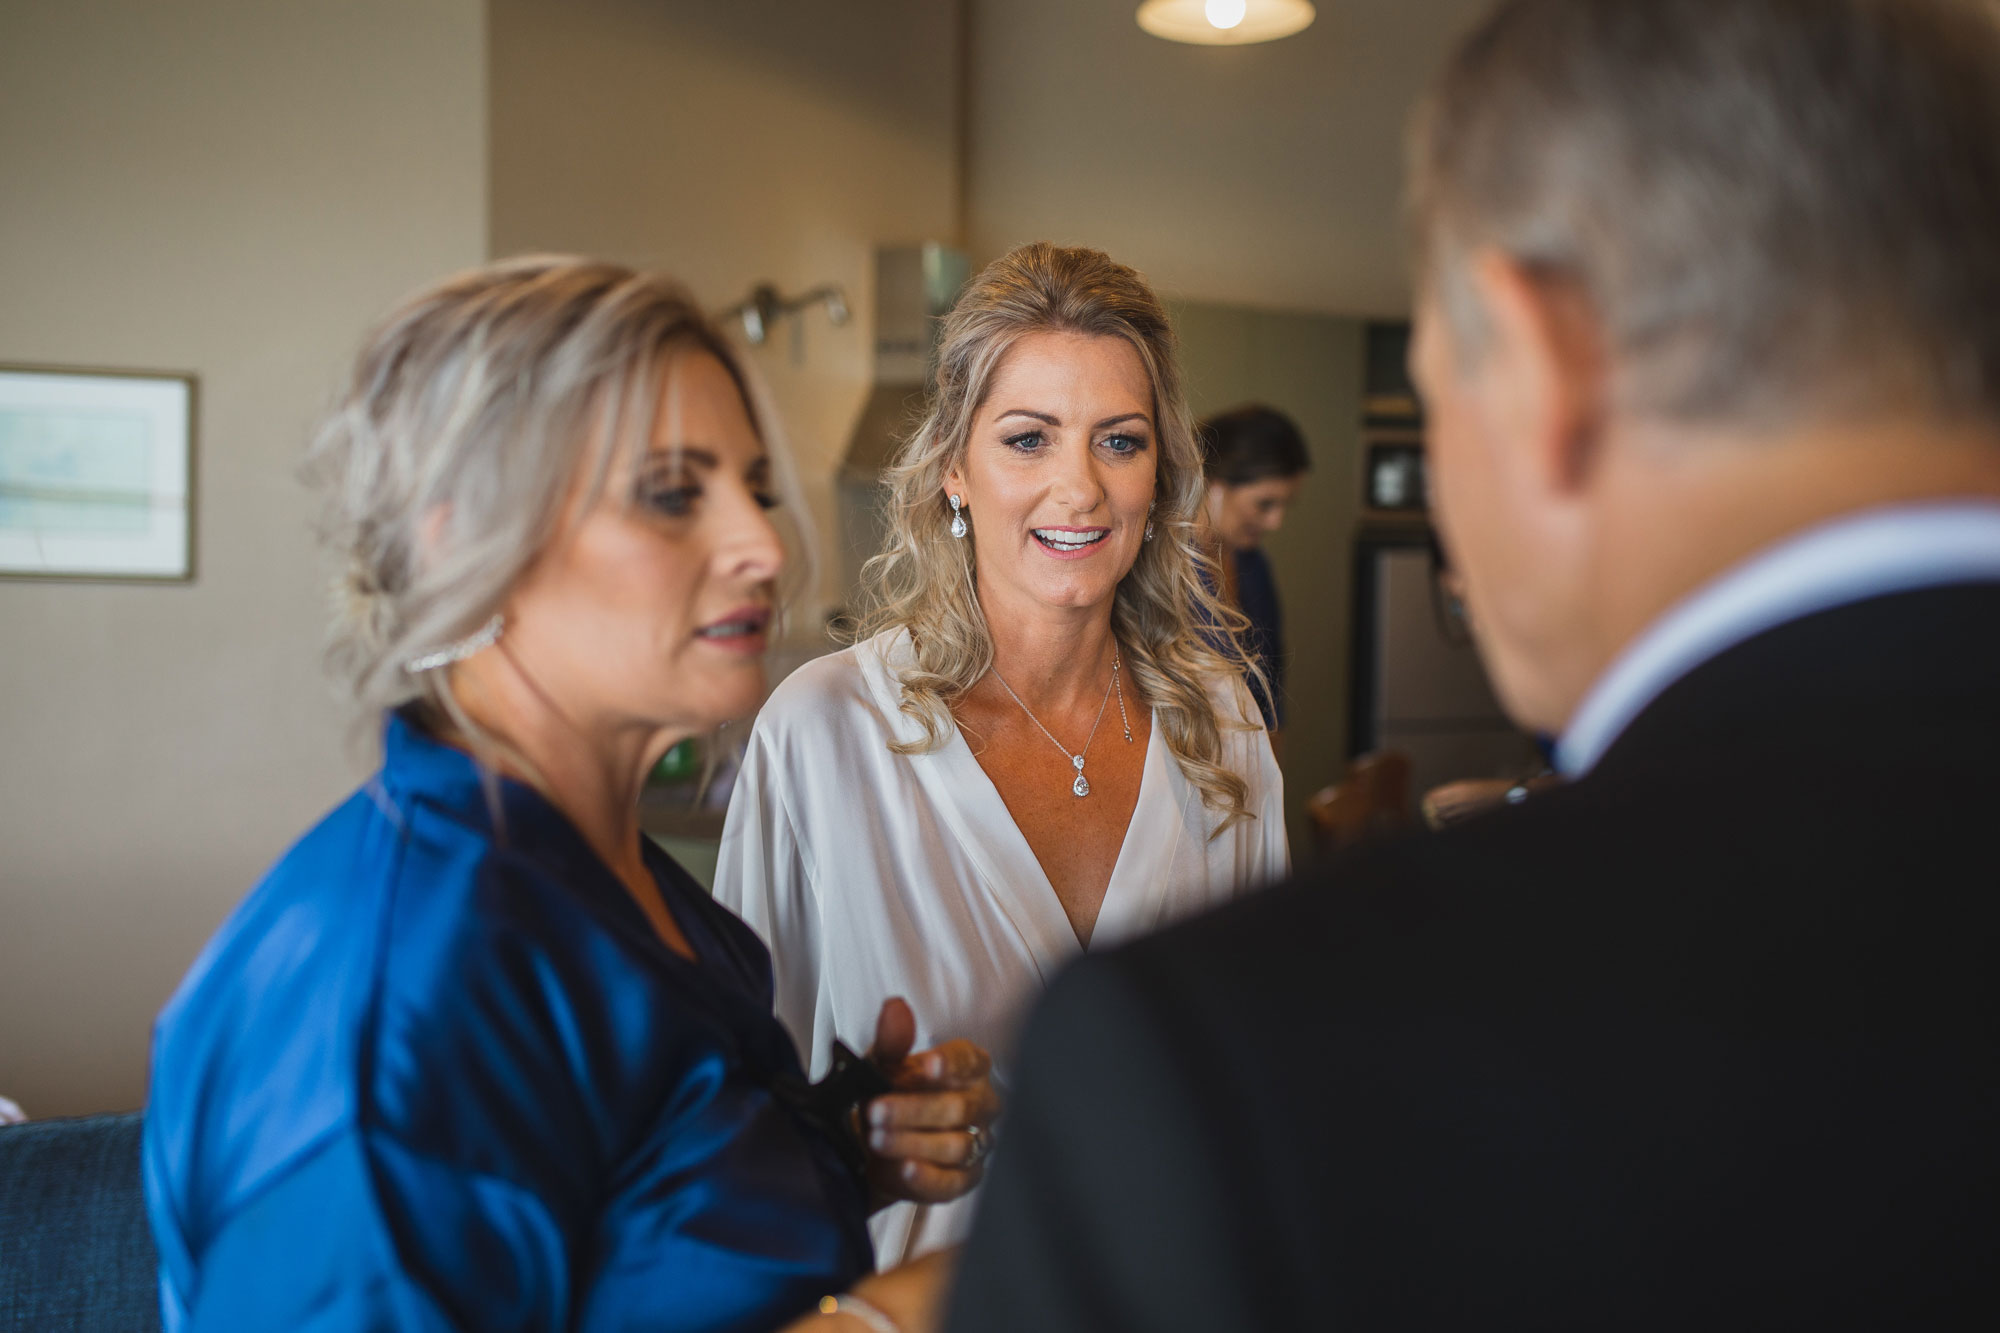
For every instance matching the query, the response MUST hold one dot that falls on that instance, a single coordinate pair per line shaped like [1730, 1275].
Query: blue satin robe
[437, 1074]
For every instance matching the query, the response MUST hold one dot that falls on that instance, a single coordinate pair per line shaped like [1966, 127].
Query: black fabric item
[1257, 598]
[75, 1255]
[1709, 1039]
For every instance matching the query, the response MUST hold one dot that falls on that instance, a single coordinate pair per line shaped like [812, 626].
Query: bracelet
[851, 1304]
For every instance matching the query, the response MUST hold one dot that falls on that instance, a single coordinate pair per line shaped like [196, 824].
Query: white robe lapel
[970, 806]
[1142, 886]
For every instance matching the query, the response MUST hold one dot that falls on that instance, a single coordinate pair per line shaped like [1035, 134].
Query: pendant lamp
[1225, 22]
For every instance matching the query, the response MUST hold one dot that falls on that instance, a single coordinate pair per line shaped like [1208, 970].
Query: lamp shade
[1225, 22]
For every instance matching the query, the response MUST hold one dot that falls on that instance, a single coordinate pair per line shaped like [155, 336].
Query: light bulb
[1225, 13]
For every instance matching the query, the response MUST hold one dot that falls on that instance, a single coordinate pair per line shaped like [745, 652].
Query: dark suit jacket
[1708, 1039]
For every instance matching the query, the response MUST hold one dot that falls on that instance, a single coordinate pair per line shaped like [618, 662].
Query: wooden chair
[1373, 799]
[1385, 775]
[1339, 816]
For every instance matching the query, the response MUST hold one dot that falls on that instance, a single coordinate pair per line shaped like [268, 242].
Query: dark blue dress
[433, 1075]
[1257, 598]
[1263, 642]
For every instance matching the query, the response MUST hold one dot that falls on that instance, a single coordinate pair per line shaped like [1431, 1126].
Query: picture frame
[97, 474]
[1394, 477]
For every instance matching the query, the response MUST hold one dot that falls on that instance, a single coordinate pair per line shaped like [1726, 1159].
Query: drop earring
[957, 518]
[1149, 520]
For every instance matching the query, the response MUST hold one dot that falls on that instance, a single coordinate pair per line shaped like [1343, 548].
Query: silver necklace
[1081, 787]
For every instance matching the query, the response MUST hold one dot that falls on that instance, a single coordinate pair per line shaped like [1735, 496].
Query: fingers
[951, 1109]
[895, 1033]
[955, 1064]
[925, 1182]
[939, 1147]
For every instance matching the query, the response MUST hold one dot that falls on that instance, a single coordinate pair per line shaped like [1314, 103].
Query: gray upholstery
[75, 1253]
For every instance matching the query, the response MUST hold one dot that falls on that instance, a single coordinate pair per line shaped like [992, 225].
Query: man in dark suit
[1709, 333]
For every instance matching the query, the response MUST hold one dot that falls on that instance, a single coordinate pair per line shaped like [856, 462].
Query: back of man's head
[1779, 210]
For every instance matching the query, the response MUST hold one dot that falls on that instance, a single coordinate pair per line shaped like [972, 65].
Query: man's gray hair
[1779, 209]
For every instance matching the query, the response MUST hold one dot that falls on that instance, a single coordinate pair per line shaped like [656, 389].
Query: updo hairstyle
[447, 462]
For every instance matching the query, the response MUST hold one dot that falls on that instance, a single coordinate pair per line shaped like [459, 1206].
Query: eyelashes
[680, 501]
[1032, 441]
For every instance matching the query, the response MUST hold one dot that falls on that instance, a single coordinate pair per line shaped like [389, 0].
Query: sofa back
[75, 1252]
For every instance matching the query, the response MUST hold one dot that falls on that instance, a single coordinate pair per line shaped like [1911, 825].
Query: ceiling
[1263, 175]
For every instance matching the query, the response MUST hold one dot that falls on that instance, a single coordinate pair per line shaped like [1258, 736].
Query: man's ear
[1545, 383]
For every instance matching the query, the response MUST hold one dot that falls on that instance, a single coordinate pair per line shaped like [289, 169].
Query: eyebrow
[682, 453]
[1055, 421]
[697, 456]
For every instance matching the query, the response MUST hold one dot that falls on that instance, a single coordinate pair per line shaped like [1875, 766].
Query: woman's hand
[912, 1295]
[927, 1140]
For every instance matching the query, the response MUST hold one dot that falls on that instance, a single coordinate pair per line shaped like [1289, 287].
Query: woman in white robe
[1046, 744]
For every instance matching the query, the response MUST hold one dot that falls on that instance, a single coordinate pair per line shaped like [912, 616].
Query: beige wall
[1261, 175]
[233, 188]
[731, 143]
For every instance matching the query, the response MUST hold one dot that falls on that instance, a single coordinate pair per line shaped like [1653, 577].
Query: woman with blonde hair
[475, 1054]
[1037, 748]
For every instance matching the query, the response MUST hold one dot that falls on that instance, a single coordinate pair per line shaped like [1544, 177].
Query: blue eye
[1124, 444]
[1027, 442]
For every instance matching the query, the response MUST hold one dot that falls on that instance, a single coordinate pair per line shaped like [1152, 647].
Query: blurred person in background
[1254, 459]
[1034, 751]
[476, 1055]
[1709, 339]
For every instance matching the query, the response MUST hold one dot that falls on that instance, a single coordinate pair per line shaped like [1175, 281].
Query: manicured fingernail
[878, 1139]
[878, 1113]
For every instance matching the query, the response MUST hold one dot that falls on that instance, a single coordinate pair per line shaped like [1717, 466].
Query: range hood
[915, 286]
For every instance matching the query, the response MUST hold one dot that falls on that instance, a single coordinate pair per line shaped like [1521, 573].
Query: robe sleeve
[1270, 853]
[764, 874]
[365, 1234]
[1263, 851]
[459, 1193]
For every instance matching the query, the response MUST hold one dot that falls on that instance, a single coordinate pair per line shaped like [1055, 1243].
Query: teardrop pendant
[958, 526]
[1081, 786]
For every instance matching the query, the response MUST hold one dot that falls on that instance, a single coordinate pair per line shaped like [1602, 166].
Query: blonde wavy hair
[1178, 639]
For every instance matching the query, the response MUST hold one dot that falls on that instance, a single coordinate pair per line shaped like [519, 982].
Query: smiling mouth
[1064, 540]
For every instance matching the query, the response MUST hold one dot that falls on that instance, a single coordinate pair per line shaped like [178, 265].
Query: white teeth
[728, 629]
[1069, 541]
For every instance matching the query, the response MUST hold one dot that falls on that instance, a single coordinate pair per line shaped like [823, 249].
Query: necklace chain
[1080, 787]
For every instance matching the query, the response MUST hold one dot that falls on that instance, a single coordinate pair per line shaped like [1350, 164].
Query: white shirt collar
[1848, 560]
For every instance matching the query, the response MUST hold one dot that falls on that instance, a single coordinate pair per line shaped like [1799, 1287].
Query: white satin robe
[872, 874]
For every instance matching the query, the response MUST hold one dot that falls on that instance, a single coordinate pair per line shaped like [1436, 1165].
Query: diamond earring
[957, 518]
[476, 642]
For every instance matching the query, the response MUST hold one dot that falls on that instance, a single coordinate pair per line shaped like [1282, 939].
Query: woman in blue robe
[476, 1055]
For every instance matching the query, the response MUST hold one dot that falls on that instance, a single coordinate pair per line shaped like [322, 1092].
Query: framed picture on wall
[1394, 475]
[96, 474]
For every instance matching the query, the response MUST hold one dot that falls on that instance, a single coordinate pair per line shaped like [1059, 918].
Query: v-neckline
[972, 806]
